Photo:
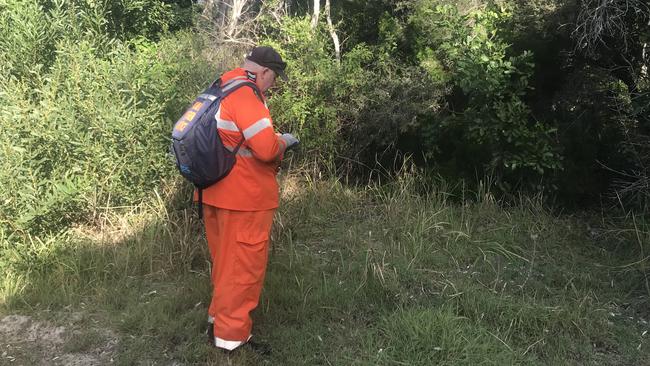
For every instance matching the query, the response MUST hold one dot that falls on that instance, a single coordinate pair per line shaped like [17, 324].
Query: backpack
[196, 145]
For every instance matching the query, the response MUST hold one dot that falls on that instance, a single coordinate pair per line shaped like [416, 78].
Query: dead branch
[601, 19]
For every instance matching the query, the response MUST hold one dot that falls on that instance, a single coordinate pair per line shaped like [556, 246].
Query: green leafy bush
[27, 39]
[386, 95]
[31, 30]
[86, 109]
[489, 125]
[354, 108]
[594, 116]
[94, 132]
[303, 105]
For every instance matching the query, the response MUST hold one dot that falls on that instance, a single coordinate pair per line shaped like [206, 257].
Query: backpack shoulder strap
[233, 85]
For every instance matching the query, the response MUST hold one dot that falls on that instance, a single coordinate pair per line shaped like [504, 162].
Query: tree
[335, 37]
[613, 35]
[232, 21]
[315, 14]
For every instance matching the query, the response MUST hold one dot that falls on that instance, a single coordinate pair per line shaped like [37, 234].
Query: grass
[378, 275]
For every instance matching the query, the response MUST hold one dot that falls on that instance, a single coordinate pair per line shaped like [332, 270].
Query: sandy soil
[25, 340]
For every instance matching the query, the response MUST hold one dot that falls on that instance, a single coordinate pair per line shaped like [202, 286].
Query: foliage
[592, 112]
[82, 79]
[376, 275]
[304, 103]
[27, 38]
[129, 19]
[483, 87]
[488, 115]
[353, 109]
[85, 123]
[31, 30]
[385, 95]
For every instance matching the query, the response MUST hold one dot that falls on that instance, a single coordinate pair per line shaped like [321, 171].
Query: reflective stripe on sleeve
[227, 125]
[256, 127]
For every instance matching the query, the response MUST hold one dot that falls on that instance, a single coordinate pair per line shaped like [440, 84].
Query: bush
[84, 116]
[304, 105]
[592, 114]
[352, 109]
[489, 126]
[31, 30]
[385, 96]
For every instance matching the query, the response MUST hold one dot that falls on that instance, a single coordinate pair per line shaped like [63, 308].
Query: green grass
[358, 276]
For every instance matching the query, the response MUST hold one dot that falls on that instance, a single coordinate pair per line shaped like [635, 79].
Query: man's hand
[289, 140]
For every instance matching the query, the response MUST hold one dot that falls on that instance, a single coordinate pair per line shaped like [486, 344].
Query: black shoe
[262, 348]
[210, 333]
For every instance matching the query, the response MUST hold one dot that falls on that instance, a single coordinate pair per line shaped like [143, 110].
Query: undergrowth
[382, 274]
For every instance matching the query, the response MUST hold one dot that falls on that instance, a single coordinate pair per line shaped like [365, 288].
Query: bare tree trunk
[645, 57]
[280, 10]
[335, 37]
[207, 8]
[645, 54]
[235, 14]
[316, 14]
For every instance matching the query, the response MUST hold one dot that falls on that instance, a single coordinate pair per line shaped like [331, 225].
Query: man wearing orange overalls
[238, 210]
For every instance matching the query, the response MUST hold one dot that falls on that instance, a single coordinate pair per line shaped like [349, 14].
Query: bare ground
[25, 340]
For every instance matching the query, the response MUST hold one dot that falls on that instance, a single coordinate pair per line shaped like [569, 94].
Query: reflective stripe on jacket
[251, 185]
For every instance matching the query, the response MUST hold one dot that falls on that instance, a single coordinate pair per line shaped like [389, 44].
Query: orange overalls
[238, 212]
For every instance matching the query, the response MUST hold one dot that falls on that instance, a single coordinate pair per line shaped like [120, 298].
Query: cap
[268, 57]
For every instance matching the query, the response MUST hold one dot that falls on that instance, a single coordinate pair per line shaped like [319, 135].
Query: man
[238, 210]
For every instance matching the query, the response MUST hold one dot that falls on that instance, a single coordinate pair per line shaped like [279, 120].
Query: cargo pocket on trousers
[252, 249]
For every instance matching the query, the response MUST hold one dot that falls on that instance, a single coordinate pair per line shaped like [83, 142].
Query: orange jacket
[251, 184]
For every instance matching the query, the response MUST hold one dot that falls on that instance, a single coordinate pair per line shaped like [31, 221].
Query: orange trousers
[239, 244]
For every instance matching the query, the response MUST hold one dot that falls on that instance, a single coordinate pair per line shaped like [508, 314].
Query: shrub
[355, 108]
[489, 125]
[304, 105]
[92, 131]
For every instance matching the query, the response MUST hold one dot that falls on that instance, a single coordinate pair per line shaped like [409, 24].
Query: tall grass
[364, 275]
[432, 282]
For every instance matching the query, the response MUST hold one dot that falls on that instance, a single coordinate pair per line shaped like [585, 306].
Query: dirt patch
[27, 341]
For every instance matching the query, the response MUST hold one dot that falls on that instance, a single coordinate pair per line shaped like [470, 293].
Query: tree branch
[335, 37]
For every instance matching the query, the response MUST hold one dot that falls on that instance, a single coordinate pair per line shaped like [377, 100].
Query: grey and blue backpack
[199, 152]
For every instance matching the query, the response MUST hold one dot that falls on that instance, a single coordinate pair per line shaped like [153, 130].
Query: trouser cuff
[228, 345]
